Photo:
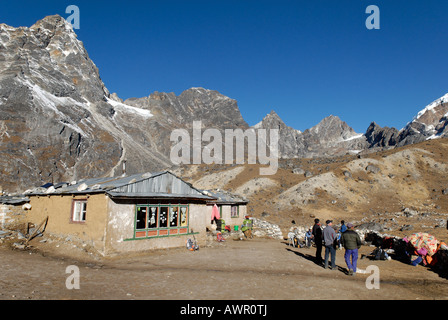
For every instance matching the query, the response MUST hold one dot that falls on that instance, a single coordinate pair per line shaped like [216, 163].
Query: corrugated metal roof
[92, 185]
[166, 182]
[160, 195]
[160, 184]
[14, 200]
[225, 197]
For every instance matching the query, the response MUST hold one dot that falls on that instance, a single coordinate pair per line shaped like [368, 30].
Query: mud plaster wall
[59, 211]
[120, 229]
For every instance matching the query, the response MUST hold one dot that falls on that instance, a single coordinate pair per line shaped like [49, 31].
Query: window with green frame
[161, 220]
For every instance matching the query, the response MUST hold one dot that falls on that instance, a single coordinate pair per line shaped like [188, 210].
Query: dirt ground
[255, 269]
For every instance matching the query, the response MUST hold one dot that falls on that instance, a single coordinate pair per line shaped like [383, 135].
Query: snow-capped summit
[429, 123]
[433, 107]
[59, 121]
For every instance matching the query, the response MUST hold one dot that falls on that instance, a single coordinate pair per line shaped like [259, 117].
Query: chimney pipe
[124, 168]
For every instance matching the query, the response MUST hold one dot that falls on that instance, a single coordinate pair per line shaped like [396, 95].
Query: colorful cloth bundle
[424, 243]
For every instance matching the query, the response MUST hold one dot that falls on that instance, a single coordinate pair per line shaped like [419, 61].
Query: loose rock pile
[263, 228]
[18, 238]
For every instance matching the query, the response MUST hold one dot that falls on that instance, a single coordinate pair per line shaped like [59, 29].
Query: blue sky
[303, 59]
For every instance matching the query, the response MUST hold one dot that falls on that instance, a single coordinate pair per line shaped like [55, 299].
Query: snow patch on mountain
[121, 107]
[431, 106]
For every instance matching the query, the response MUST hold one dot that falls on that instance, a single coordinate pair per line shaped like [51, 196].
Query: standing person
[308, 237]
[317, 236]
[329, 239]
[247, 227]
[352, 242]
[343, 227]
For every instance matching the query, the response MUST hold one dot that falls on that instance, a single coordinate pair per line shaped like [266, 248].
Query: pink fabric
[215, 212]
[422, 252]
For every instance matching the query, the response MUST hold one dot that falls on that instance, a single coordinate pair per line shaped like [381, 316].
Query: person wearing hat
[329, 239]
[317, 237]
[352, 242]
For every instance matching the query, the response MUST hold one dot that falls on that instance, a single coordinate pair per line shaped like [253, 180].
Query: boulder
[298, 171]
[372, 168]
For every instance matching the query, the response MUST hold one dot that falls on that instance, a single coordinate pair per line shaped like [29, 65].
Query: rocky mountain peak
[429, 117]
[331, 136]
[381, 137]
[429, 123]
[49, 56]
[212, 108]
[273, 116]
[273, 121]
[53, 23]
[57, 121]
[332, 128]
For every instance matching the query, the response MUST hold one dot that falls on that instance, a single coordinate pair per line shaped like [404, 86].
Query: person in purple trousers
[352, 242]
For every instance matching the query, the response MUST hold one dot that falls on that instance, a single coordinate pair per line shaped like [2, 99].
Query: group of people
[349, 239]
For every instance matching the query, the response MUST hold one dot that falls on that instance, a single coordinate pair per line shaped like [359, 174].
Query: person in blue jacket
[343, 227]
[308, 238]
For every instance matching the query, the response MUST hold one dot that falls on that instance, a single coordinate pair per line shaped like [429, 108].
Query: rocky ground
[256, 269]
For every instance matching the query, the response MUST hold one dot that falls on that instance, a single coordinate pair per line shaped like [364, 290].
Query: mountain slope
[47, 87]
[59, 122]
